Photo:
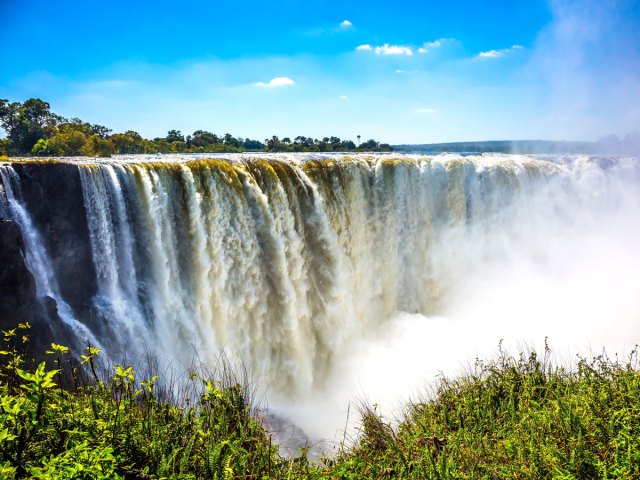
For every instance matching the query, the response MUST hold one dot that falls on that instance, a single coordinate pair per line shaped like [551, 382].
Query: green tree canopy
[32, 128]
[27, 123]
[175, 136]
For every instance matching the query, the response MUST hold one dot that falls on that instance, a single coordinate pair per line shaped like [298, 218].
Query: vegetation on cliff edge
[33, 129]
[511, 417]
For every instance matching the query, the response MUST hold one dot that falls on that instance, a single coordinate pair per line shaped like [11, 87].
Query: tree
[174, 136]
[369, 145]
[202, 138]
[272, 143]
[126, 142]
[178, 146]
[66, 143]
[249, 144]
[41, 148]
[231, 141]
[27, 123]
[74, 125]
[135, 135]
[100, 131]
[161, 145]
[97, 147]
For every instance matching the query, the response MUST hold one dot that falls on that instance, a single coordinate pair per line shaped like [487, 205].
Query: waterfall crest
[280, 260]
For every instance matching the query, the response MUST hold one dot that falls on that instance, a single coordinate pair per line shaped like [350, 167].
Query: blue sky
[400, 72]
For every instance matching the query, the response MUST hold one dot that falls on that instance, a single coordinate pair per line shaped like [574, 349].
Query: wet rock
[19, 302]
[52, 194]
[17, 286]
[290, 438]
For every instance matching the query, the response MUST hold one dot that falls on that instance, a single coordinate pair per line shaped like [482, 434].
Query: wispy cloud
[499, 53]
[346, 25]
[428, 46]
[276, 82]
[426, 111]
[343, 97]
[386, 49]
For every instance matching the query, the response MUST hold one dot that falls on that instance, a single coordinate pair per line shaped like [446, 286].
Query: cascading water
[292, 263]
[277, 261]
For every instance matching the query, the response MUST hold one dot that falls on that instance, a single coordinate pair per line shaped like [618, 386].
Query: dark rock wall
[18, 300]
[52, 194]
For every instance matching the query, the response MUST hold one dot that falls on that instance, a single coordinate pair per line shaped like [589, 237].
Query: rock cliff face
[17, 286]
[52, 196]
[18, 299]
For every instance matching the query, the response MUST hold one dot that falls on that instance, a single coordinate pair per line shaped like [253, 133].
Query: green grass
[510, 417]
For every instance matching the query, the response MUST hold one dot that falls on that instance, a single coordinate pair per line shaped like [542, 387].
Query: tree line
[33, 129]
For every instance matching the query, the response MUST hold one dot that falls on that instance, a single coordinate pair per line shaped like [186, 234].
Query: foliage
[327, 144]
[511, 417]
[26, 123]
[175, 136]
[33, 129]
[4, 143]
[97, 147]
[69, 422]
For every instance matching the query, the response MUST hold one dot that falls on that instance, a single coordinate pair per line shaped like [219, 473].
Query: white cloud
[345, 25]
[276, 82]
[400, 71]
[387, 49]
[343, 97]
[427, 46]
[499, 53]
[426, 111]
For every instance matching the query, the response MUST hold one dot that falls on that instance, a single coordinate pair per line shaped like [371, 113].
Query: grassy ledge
[510, 417]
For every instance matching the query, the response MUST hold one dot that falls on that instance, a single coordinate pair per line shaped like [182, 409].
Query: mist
[587, 60]
[560, 266]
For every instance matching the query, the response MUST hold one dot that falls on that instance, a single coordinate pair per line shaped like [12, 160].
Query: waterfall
[282, 261]
[37, 258]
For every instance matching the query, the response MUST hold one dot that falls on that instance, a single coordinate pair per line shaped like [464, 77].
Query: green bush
[56, 424]
[510, 417]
